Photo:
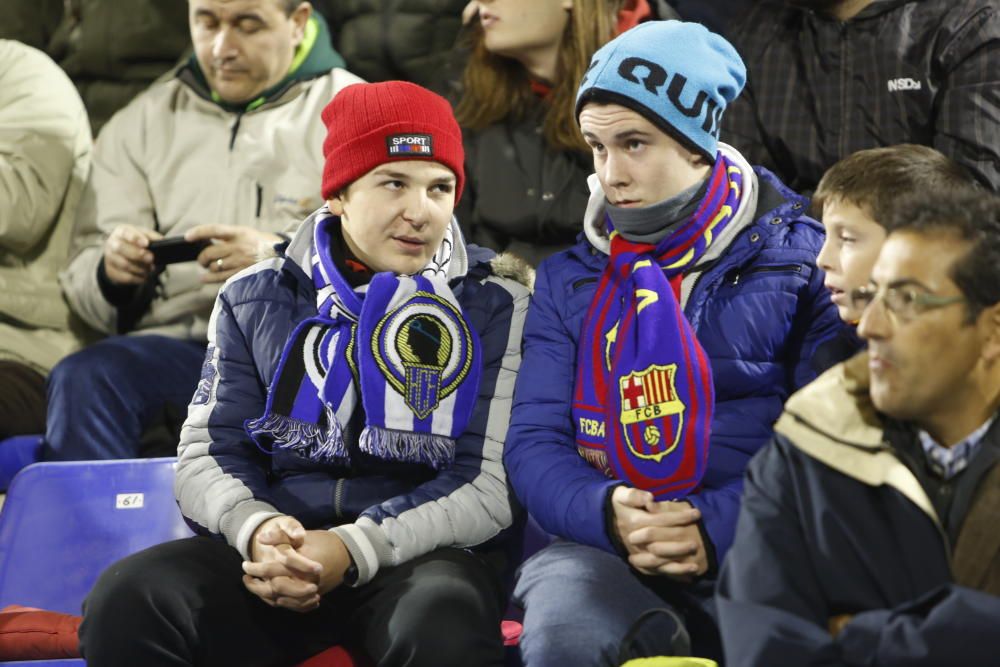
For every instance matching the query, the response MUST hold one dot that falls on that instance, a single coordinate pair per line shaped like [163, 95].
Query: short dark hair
[875, 178]
[972, 216]
[289, 6]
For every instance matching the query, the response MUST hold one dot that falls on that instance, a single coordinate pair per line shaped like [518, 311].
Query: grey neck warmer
[652, 224]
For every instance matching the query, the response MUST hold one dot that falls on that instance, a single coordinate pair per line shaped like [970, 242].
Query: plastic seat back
[62, 524]
[17, 453]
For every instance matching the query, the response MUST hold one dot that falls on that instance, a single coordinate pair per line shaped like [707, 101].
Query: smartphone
[176, 249]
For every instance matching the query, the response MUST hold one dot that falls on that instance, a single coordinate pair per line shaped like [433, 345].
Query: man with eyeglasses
[868, 531]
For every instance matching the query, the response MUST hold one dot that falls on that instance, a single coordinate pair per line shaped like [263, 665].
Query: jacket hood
[314, 57]
[765, 203]
[597, 233]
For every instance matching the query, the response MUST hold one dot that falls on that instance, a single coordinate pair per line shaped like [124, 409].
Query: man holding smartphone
[224, 154]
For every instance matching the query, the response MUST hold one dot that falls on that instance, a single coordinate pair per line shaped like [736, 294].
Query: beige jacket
[45, 148]
[834, 421]
[171, 160]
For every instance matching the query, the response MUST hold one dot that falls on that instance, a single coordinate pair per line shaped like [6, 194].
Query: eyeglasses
[905, 302]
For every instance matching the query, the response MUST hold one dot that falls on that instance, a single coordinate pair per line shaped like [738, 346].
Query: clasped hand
[292, 567]
[662, 538]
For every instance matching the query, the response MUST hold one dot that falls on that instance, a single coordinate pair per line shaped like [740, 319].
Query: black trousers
[22, 400]
[183, 603]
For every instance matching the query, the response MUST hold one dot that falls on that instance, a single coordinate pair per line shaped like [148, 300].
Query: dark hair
[875, 179]
[972, 216]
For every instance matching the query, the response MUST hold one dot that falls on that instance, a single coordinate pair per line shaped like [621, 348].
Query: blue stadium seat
[16, 453]
[62, 524]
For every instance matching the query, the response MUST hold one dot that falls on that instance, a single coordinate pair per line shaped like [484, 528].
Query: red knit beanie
[369, 124]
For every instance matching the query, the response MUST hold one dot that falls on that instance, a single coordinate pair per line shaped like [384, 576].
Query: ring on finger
[218, 264]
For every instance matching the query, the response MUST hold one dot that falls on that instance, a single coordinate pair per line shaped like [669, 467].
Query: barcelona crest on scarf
[403, 344]
[644, 396]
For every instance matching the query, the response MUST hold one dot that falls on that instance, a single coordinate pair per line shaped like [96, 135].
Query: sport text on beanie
[678, 75]
[369, 124]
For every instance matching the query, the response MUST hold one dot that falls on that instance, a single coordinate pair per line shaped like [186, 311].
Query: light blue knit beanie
[678, 75]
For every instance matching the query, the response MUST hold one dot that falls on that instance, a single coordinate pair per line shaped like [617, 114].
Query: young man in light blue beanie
[658, 353]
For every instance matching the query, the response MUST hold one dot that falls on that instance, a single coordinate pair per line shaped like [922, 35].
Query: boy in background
[853, 200]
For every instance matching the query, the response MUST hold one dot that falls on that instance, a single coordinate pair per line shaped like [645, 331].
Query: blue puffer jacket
[386, 512]
[757, 303]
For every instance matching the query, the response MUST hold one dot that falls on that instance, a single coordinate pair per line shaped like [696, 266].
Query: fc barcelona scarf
[403, 342]
[644, 396]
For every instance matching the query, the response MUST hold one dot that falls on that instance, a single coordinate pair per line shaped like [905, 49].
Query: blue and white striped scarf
[404, 341]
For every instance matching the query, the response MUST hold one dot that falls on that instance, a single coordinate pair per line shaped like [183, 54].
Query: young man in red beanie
[344, 446]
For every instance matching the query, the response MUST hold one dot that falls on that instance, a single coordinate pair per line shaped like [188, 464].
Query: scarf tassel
[436, 451]
[307, 440]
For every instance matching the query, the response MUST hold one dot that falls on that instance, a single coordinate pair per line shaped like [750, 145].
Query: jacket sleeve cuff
[717, 526]
[859, 639]
[241, 523]
[713, 561]
[706, 540]
[609, 524]
[368, 547]
[116, 295]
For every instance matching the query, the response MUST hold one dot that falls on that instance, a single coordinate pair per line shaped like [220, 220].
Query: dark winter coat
[410, 40]
[901, 71]
[836, 521]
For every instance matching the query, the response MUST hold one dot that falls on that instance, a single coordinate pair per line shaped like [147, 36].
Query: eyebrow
[405, 177]
[903, 282]
[391, 174]
[625, 134]
[243, 16]
[248, 16]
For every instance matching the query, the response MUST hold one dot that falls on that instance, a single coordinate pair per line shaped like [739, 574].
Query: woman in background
[526, 161]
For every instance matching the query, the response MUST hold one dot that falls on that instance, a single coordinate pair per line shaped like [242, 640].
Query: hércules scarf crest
[404, 341]
[644, 396]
